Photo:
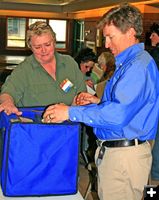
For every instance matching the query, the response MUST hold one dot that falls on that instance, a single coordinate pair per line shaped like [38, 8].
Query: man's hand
[7, 105]
[56, 113]
[85, 98]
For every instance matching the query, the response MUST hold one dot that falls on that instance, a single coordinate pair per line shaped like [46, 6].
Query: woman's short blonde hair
[107, 58]
[38, 28]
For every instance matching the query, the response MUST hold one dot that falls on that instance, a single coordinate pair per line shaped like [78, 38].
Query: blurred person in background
[154, 37]
[106, 62]
[86, 59]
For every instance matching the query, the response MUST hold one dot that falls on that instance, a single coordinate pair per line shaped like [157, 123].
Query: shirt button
[74, 118]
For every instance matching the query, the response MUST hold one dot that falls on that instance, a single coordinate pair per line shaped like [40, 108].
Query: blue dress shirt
[130, 104]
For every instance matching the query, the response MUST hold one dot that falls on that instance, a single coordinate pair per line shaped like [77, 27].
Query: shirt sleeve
[80, 81]
[15, 84]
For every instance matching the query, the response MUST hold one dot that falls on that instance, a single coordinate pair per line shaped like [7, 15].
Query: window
[16, 32]
[59, 27]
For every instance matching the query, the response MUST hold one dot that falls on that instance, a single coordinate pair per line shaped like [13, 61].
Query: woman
[46, 77]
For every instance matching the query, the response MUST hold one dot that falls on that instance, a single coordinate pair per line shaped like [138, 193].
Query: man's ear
[131, 32]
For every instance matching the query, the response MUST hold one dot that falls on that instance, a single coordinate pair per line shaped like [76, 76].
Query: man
[154, 37]
[127, 115]
[46, 77]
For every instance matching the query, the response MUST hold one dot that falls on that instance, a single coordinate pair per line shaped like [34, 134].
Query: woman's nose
[43, 48]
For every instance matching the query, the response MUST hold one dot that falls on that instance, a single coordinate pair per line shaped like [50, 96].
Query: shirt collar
[128, 53]
[58, 58]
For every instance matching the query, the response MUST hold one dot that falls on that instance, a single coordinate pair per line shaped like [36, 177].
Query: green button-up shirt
[30, 85]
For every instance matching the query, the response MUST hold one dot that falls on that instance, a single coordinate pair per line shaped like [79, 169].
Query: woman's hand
[85, 98]
[7, 105]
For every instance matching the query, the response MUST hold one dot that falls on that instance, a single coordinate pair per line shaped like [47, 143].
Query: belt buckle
[136, 142]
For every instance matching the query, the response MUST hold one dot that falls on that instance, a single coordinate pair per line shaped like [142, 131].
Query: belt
[119, 143]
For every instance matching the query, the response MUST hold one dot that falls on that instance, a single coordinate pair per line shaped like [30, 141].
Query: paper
[90, 90]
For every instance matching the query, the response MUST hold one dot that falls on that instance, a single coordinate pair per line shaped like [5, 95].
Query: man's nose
[107, 43]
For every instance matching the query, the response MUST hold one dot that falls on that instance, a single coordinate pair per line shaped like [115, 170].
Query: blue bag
[39, 159]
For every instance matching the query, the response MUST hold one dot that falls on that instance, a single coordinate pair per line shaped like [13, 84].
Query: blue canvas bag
[39, 159]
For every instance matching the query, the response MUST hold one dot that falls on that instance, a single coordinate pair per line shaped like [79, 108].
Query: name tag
[66, 85]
